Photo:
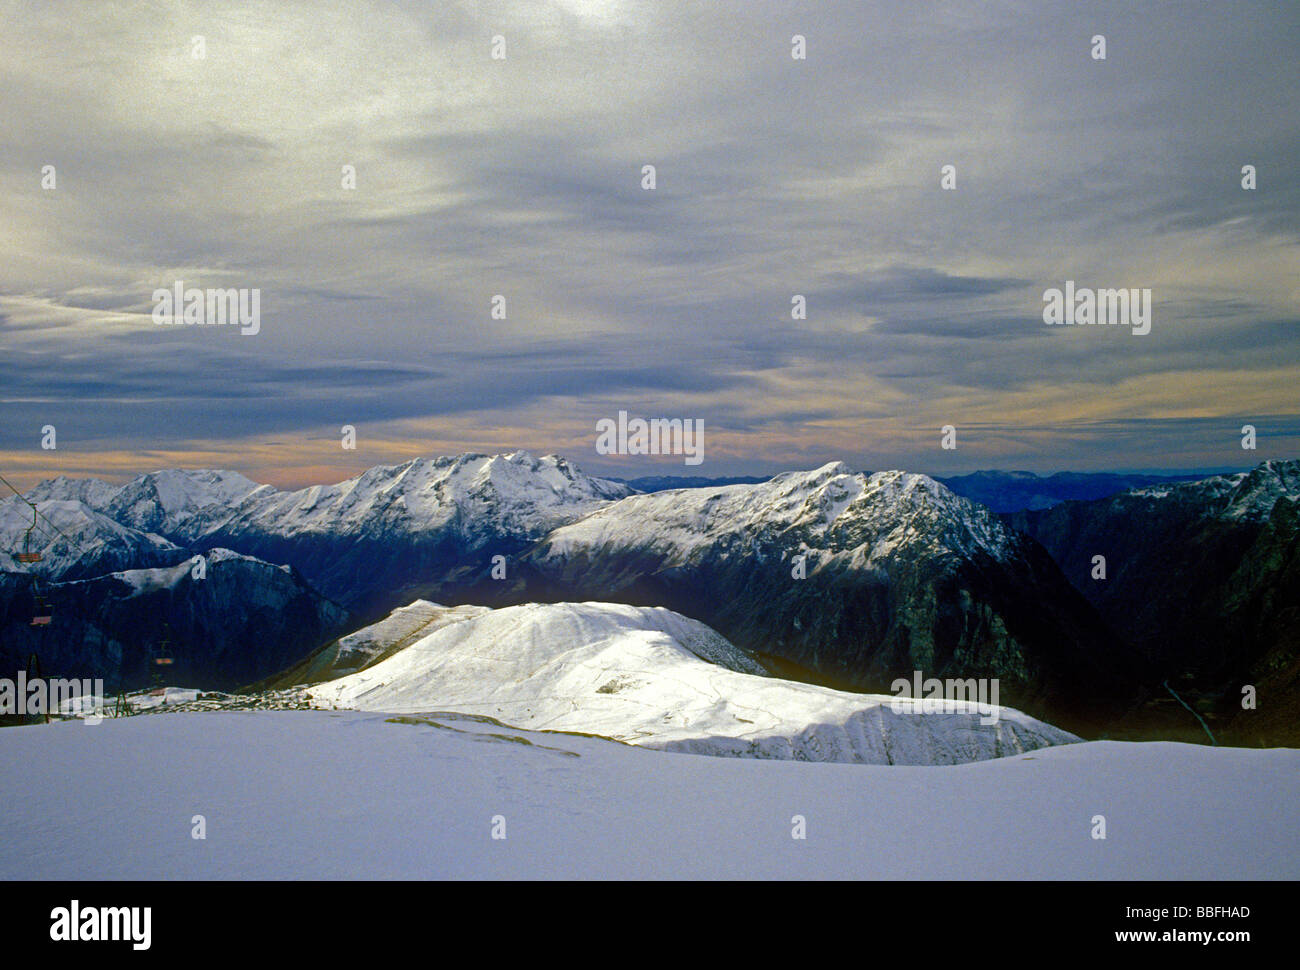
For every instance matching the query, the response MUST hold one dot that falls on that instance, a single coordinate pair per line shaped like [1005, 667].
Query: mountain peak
[831, 468]
[1258, 490]
[813, 477]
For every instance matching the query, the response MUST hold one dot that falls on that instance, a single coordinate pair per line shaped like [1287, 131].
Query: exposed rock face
[244, 620]
[1202, 578]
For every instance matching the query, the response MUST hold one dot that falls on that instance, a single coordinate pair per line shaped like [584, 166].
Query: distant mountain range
[830, 575]
[1000, 491]
[359, 542]
[1019, 491]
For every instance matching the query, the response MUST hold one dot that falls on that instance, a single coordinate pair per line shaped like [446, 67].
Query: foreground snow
[648, 676]
[347, 795]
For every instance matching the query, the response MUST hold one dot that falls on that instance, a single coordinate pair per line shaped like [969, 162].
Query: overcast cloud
[522, 177]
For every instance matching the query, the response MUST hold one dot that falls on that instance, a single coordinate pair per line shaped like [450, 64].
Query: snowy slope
[342, 795]
[369, 645]
[396, 631]
[647, 676]
[145, 581]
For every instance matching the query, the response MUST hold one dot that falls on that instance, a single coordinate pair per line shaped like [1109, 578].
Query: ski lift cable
[43, 530]
[37, 512]
[41, 615]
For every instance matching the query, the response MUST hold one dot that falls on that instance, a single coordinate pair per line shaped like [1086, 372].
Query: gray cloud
[521, 177]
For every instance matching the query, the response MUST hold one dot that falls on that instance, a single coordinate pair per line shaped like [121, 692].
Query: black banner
[137, 919]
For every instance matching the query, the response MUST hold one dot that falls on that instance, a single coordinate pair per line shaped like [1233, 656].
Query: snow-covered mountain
[106, 527]
[374, 541]
[367, 540]
[1241, 497]
[474, 497]
[857, 577]
[161, 502]
[866, 518]
[111, 582]
[92, 491]
[166, 502]
[87, 542]
[648, 676]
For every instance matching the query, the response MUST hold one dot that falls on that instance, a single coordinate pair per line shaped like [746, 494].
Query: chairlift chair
[41, 612]
[27, 555]
[164, 658]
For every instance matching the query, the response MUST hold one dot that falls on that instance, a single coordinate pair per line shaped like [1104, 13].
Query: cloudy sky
[523, 177]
